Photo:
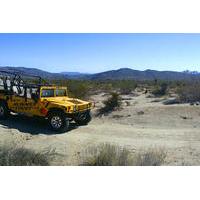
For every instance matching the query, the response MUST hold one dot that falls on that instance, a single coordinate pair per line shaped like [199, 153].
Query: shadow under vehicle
[32, 96]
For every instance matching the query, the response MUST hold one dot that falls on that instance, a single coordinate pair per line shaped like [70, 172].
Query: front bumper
[82, 108]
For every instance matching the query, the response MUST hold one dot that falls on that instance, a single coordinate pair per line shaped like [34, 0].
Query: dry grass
[111, 155]
[105, 155]
[152, 157]
[19, 156]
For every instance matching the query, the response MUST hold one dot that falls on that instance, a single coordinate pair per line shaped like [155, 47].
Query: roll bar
[17, 78]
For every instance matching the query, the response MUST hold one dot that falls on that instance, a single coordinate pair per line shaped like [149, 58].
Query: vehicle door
[17, 99]
[31, 105]
[23, 101]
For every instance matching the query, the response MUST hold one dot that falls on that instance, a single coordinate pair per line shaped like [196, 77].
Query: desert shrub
[78, 90]
[150, 158]
[160, 90]
[84, 88]
[112, 103]
[124, 86]
[19, 156]
[106, 155]
[189, 93]
[112, 155]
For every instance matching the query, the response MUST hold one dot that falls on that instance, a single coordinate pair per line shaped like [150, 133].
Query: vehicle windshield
[47, 93]
[50, 92]
[60, 92]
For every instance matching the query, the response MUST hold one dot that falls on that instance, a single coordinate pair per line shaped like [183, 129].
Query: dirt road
[143, 123]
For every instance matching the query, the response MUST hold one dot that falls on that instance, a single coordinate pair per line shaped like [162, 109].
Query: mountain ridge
[127, 73]
[118, 74]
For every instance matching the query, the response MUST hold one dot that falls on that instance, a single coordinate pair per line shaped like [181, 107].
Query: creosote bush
[160, 90]
[19, 156]
[189, 93]
[125, 87]
[112, 155]
[111, 104]
[78, 90]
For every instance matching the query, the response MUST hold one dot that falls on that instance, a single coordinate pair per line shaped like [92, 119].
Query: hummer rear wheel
[58, 121]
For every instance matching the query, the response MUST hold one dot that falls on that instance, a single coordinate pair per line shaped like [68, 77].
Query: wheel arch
[54, 109]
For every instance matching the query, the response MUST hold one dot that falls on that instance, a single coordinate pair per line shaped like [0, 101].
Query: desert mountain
[119, 74]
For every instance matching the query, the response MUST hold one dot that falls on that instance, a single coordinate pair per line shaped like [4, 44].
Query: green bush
[78, 90]
[111, 104]
[160, 90]
[19, 156]
[123, 86]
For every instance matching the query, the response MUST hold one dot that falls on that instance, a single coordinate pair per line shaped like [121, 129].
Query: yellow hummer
[20, 94]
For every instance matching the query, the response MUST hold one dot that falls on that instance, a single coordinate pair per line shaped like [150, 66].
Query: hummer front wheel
[58, 121]
[83, 118]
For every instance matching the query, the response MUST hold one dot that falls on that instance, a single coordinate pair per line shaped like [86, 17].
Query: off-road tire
[83, 118]
[4, 112]
[58, 121]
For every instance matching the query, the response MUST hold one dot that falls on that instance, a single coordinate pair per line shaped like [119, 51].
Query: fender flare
[55, 110]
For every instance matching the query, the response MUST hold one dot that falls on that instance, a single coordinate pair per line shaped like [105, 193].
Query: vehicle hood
[65, 101]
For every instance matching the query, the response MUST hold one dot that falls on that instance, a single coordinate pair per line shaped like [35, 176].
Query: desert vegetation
[110, 104]
[85, 88]
[189, 92]
[112, 155]
[20, 156]
[104, 154]
[186, 91]
[152, 157]
[160, 89]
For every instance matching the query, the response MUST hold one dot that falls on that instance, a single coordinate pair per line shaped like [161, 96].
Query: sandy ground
[143, 123]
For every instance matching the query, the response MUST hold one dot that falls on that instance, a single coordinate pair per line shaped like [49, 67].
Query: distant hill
[76, 75]
[34, 71]
[127, 73]
[119, 74]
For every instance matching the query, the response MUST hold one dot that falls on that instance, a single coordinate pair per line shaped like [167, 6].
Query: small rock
[184, 117]
[117, 116]
[127, 103]
[140, 113]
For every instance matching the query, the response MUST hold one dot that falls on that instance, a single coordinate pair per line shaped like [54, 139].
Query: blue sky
[100, 52]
